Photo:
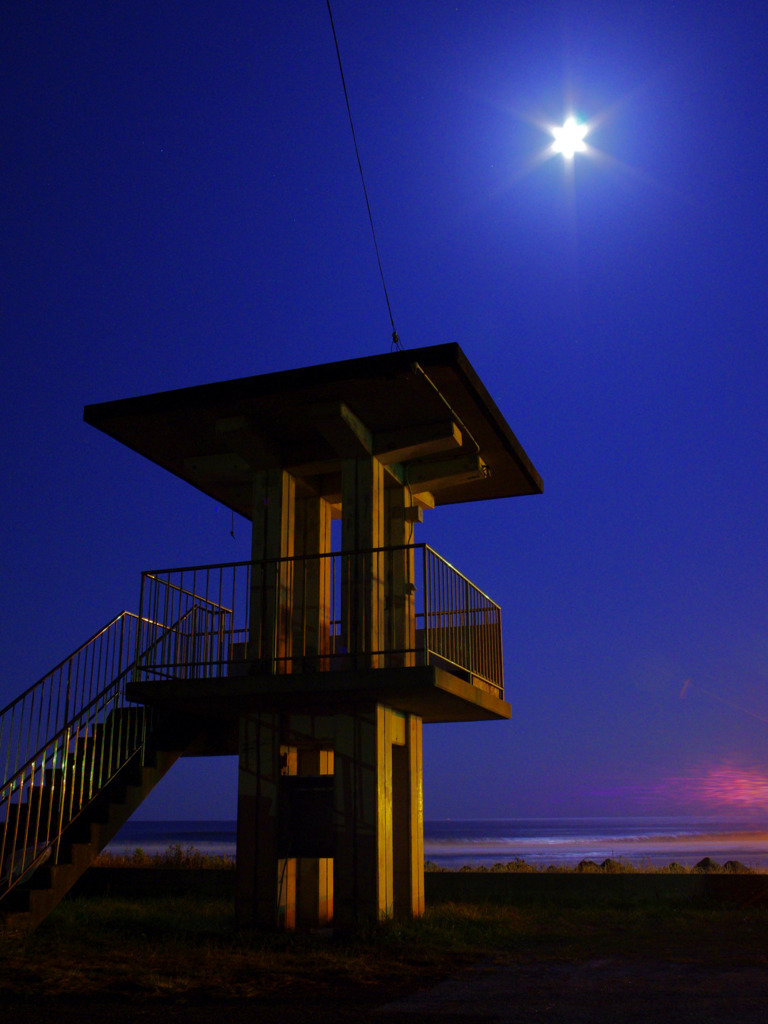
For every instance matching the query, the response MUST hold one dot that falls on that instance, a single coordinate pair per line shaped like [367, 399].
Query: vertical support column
[390, 737]
[271, 597]
[362, 530]
[408, 821]
[269, 648]
[401, 593]
[355, 875]
[257, 799]
[379, 862]
[312, 584]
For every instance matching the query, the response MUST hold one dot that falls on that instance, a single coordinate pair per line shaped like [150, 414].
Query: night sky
[182, 204]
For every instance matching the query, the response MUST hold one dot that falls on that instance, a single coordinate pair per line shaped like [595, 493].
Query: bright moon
[570, 138]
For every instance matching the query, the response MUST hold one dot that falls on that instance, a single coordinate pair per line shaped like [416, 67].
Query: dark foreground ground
[518, 959]
[610, 990]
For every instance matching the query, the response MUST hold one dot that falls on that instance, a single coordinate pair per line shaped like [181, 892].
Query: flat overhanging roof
[424, 412]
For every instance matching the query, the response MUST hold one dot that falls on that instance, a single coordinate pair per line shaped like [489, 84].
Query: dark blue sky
[181, 204]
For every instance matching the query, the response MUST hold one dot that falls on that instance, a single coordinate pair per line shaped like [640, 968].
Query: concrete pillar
[312, 585]
[362, 531]
[400, 623]
[408, 821]
[378, 867]
[355, 883]
[271, 591]
[256, 899]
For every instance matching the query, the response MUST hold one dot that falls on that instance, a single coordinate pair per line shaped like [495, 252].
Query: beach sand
[750, 848]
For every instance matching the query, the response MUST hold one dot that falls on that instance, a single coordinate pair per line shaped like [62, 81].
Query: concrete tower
[317, 666]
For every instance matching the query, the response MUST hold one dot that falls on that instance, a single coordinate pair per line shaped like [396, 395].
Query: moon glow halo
[569, 138]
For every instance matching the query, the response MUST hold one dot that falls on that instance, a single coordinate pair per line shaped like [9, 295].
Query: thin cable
[449, 407]
[396, 343]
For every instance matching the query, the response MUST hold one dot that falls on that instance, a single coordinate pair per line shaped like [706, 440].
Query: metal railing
[61, 741]
[462, 625]
[388, 607]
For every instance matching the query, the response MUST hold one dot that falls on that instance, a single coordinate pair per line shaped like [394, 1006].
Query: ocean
[561, 842]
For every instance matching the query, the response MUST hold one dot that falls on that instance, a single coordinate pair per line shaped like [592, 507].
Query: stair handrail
[64, 661]
[9, 787]
[17, 860]
[55, 755]
[7, 784]
[35, 698]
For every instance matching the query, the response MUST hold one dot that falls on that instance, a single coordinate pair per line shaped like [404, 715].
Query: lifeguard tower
[317, 661]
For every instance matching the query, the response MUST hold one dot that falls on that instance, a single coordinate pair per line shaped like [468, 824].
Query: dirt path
[605, 991]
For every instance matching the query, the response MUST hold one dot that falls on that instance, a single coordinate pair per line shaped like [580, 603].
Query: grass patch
[176, 856]
[188, 948]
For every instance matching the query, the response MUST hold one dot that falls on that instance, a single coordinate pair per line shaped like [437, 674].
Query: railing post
[427, 584]
[68, 697]
[468, 638]
[62, 792]
[139, 629]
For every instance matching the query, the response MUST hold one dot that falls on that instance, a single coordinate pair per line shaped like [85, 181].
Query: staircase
[77, 759]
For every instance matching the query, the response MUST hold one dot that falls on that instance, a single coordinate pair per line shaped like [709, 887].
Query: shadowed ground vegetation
[145, 959]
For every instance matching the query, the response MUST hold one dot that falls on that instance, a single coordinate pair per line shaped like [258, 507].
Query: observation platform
[434, 694]
[199, 656]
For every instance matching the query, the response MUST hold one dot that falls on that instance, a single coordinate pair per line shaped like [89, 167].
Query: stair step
[29, 816]
[25, 906]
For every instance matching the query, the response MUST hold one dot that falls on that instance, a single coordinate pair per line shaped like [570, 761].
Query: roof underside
[424, 412]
